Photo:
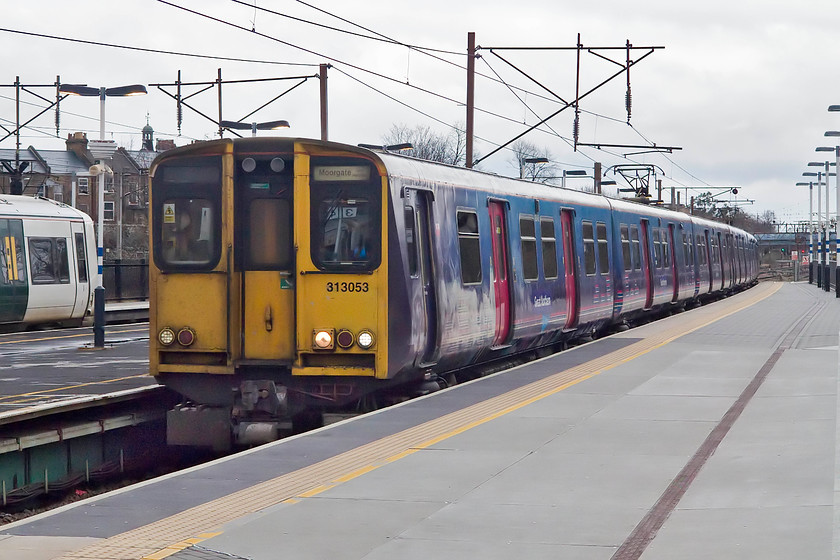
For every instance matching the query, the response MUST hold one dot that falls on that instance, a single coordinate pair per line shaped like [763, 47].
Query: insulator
[628, 102]
[179, 115]
[576, 129]
[57, 120]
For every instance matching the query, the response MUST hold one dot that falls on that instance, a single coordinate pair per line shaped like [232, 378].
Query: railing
[126, 280]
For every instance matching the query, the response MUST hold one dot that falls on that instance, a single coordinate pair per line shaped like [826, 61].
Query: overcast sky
[742, 86]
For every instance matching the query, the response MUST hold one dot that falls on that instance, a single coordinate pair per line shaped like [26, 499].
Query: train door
[501, 286]
[425, 246]
[674, 274]
[567, 225]
[83, 291]
[646, 264]
[710, 254]
[721, 260]
[264, 218]
[14, 289]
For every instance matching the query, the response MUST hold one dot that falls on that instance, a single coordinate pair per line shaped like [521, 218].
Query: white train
[47, 262]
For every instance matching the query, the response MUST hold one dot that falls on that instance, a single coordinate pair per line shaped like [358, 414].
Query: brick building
[64, 175]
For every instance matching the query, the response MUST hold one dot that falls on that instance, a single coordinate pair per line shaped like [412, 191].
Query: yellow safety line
[310, 481]
[63, 336]
[57, 389]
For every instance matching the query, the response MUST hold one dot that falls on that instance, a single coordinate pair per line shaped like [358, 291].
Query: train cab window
[468, 246]
[81, 257]
[411, 241]
[189, 230]
[549, 248]
[345, 217]
[625, 247]
[588, 248]
[636, 246]
[12, 266]
[48, 260]
[528, 236]
[186, 213]
[603, 248]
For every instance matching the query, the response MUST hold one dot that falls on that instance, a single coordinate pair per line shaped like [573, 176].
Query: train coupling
[263, 396]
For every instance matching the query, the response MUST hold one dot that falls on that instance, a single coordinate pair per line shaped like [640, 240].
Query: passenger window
[62, 260]
[549, 248]
[666, 248]
[468, 245]
[81, 257]
[527, 234]
[625, 248]
[588, 248]
[603, 249]
[657, 249]
[410, 241]
[635, 245]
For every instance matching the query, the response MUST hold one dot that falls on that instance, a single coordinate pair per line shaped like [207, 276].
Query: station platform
[708, 434]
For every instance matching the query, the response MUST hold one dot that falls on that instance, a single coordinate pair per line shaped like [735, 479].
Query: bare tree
[542, 172]
[445, 148]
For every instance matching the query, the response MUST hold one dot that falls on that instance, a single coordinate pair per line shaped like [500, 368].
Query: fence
[126, 280]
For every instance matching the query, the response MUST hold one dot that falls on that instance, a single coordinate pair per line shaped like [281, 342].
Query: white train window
[48, 260]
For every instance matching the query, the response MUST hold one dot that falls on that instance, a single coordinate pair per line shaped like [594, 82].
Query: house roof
[58, 162]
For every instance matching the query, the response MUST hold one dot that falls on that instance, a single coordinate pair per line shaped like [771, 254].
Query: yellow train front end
[268, 285]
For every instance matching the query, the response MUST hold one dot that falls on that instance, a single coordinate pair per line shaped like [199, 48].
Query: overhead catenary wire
[148, 50]
[424, 50]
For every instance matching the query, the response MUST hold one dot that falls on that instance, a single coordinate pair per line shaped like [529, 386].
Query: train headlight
[323, 339]
[365, 339]
[344, 339]
[186, 336]
[166, 336]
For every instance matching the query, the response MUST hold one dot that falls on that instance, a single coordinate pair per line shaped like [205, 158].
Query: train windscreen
[186, 214]
[345, 216]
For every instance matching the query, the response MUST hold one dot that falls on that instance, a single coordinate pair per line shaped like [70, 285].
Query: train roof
[406, 166]
[420, 171]
[17, 206]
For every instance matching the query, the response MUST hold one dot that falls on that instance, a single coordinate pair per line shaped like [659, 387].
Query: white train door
[82, 273]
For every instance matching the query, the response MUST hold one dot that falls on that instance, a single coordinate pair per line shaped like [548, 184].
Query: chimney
[77, 143]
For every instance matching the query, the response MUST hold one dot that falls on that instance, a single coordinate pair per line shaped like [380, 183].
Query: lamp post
[834, 134]
[254, 126]
[810, 186]
[101, 150]
[815, 270]
[825, 277]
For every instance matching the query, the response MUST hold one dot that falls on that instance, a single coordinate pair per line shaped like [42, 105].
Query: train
[47, 263]
[292, 279]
